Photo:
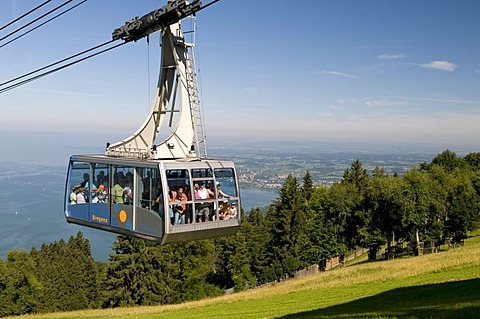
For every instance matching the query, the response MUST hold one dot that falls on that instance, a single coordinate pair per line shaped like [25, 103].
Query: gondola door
[121, 197]
[149, 203]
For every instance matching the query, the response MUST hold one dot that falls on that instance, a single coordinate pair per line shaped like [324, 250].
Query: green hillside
[442, 285]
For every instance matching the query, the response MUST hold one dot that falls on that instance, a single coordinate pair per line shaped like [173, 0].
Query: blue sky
[351, 71]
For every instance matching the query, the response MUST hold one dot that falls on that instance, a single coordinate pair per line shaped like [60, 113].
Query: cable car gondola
[168, 191]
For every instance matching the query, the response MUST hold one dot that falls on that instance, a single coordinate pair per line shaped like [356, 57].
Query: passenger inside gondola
[220, 193]
[73, 196]
[86, 178]
[102, 179]
[233, 211]
[127, 195]
[117, 189]
[148, 185]
[128, 189]
[205, 211]
[86, 185]
[189, 211]
[80, 198]
[158, 203]
[224, 211]
[100, 195]
[179, 206]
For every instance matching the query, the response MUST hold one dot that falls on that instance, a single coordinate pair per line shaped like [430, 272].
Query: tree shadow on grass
[459, 299]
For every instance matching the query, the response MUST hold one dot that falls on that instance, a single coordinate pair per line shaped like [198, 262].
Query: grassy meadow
[441, 285]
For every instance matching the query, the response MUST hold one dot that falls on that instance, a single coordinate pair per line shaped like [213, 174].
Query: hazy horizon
[56, 147]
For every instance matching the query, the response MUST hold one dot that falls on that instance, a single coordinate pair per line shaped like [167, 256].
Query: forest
[432, 204]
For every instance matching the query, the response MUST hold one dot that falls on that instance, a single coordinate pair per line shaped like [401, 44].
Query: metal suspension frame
[176, 94]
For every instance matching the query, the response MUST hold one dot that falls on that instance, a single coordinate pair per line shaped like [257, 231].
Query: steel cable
[24, 15]
[36, 77]
[35, 20]
[43, 23]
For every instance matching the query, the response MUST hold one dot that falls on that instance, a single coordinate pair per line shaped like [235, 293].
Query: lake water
[31, 210]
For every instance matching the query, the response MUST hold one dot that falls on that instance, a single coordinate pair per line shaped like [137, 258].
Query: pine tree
[258, 236]
[137, 274]
[243, 258]
[68, 274]
[5, 302]
[286, 219]
[356, 175]
[142, 272]
[196, 262]
[473, 160]
[321, 239]
[20, 290]
[351, 214]
[307, 186]
[448, 160]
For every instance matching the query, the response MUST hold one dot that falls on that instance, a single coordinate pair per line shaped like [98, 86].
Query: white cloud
[250, 90]
[440, 65]
[381, 102]
[325, 114]
[391, 56]
[338, 74]
[346, 101]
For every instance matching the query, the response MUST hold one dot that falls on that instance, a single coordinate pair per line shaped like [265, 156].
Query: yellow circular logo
[123, 216]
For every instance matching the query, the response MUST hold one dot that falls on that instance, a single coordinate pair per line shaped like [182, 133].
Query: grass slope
[442, 285]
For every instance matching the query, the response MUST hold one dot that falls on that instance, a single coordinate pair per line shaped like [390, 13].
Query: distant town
[268, 168]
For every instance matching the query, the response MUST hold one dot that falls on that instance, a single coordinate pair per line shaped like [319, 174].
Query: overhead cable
[43, 23]
[35, 20]
[124, 31]
[36, 77]
[209, 4]
[25, 14]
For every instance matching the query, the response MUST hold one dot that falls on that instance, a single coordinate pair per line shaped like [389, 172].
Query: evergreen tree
[448, 160]
[379, 172]
[225, 248]
[286, 219]
[356, 175]
[243, 257]
[20, 291]
[143, 273]
[258, 235]
[307, 186]
[321, 241]
[84, 285]
[68, 274]
[342, 218]
[473, 160]
[5, 301]
[138, 274]
[196, 261]
[350, 197]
